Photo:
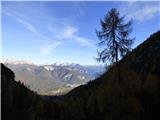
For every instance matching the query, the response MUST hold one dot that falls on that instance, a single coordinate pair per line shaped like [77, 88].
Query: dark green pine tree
[114, 36]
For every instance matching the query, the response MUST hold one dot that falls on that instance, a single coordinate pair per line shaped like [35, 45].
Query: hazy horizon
[18, 61]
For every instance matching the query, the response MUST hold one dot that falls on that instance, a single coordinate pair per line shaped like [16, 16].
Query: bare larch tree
[114, 36]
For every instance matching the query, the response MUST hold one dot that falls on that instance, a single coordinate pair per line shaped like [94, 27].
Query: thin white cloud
[27, 25]
[32, 29]
[70, 33]
[19, 18]
[141, 11]
[24, 20]
[48, 48]
[62, 31]
[84, 41]
[48, 44]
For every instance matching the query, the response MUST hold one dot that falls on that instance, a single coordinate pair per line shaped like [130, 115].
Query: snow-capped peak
[49, 68]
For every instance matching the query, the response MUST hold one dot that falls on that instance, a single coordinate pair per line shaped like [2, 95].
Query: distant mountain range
[53, 79]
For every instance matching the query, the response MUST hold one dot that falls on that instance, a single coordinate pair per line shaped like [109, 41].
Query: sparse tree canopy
[114, 35]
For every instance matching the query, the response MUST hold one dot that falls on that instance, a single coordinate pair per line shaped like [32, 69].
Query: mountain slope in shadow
[135, 97]
[17, 101]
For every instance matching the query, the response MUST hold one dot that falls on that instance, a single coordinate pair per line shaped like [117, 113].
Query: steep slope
[136, 97]
[17, 101]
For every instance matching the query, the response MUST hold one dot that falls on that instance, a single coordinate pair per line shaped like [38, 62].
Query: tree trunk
[118, 101]
[117, 65]
[117, 94]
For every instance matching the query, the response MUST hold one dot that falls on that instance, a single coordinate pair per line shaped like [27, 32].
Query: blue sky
[49, 32]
